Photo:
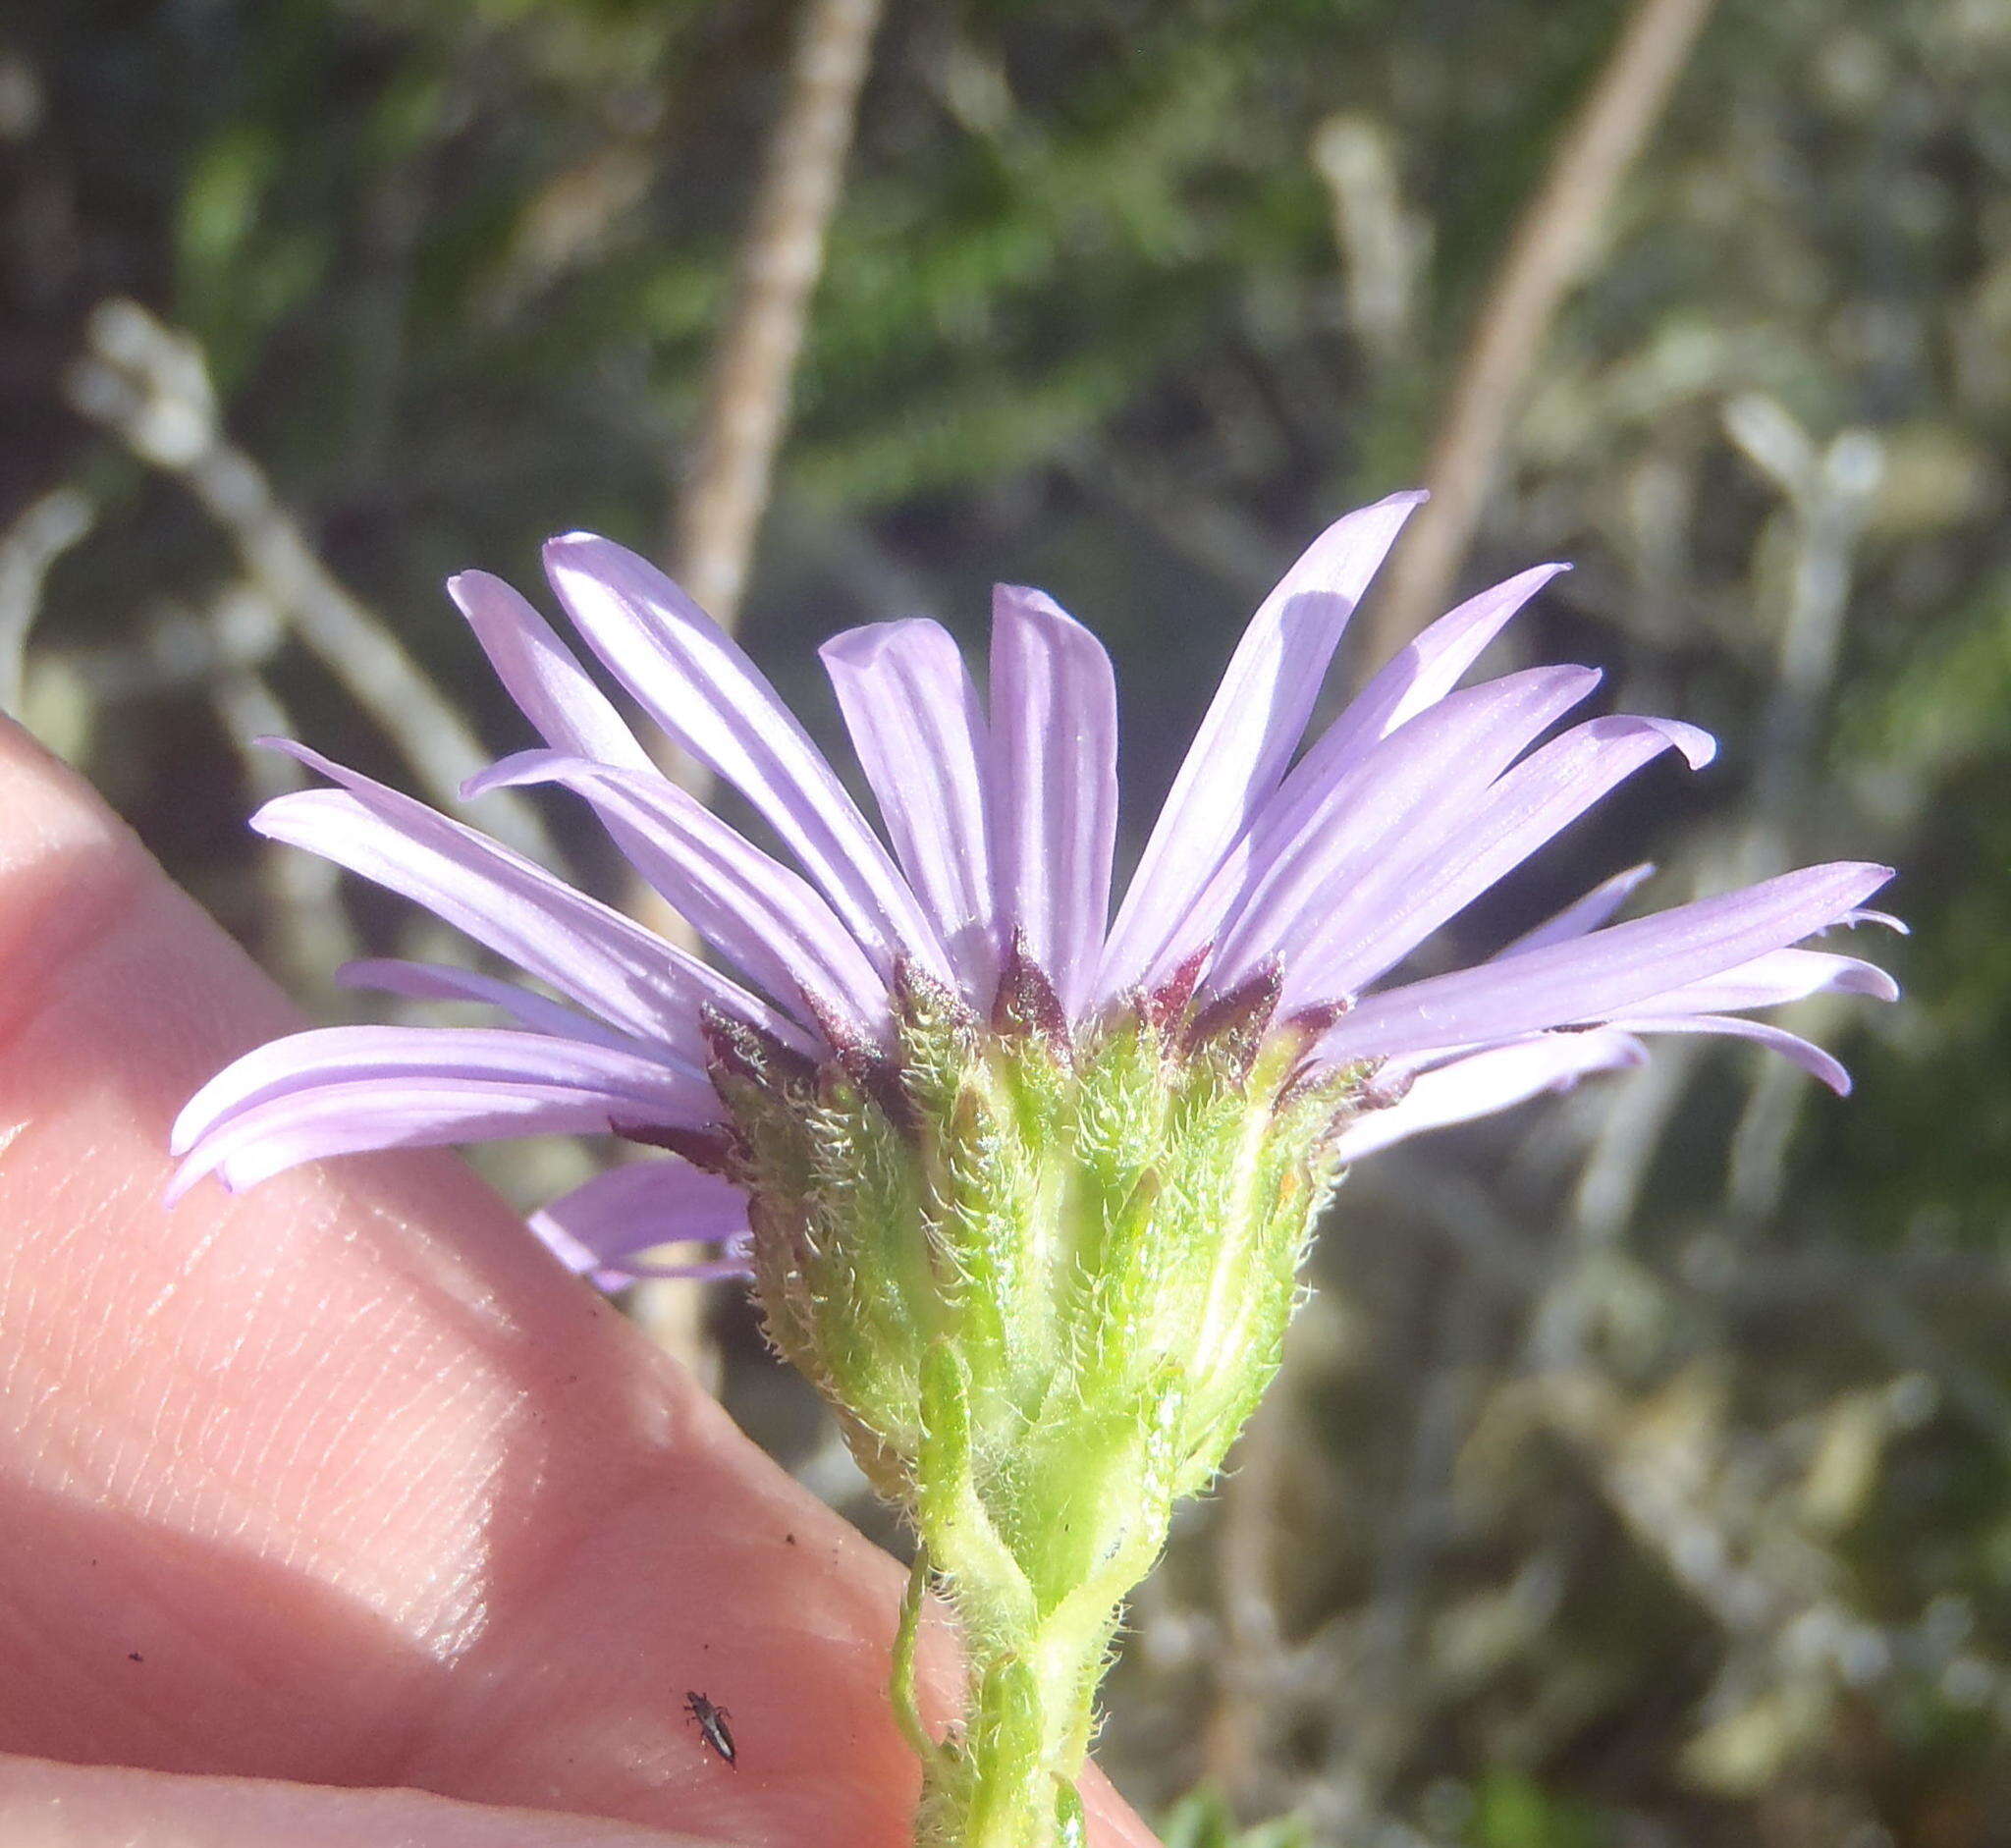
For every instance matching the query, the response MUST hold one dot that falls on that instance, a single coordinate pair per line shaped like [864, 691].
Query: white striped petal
[1599, 975]
[919, 731]
[1053, 788]
[629, 976]
[766, 920]
[636, 1207]
[1489, 1082]
[696, 682]
[1583, 914]
[1315, 850]
[1441, 869]
[542, 675]
[1249, 734]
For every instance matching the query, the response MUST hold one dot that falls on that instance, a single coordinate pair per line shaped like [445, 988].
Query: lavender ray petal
[1397, 904]
[1315, 847]
[554, 692]
[601, 961]
[1248, 734]
[542, 675]
[439, 981]
[636, 1207]
[1486, 1082]
[1053, 788]
[765, 919]
[701, 688]
[1883, 919]
[1770, 981]
[325, 1056]
[629, 976]
[1811, 1059]
[1422, 672]
[920, 730]
[376, 1115]
[1595, 976]
[1582, 914]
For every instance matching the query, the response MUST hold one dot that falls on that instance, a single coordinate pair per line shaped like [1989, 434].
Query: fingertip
[45, 806]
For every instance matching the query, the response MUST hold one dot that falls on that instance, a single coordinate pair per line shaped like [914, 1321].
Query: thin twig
[1237, 1737]
[720, 507]
[150, 385]
[1380, 242]
[173, 648]
[46, 529]
[1544, 258]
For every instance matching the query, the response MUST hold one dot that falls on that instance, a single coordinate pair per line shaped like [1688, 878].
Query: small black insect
[712, 1725]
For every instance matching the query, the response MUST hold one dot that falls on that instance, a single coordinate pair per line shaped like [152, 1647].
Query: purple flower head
[1278, 886]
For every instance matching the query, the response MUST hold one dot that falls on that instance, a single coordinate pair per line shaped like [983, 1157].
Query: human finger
[46, 1804]
[340, 1480]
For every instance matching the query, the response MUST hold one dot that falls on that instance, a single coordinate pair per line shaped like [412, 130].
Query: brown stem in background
[720, 507]
[1236, 1742]
[1544, 258]
[718, 510]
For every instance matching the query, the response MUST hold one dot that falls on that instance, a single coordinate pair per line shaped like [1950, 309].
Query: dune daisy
[1023, 1186]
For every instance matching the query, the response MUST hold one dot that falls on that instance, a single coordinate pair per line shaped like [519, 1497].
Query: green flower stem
[1007, 1777]
[1011, 1782]
[1036, 1542]
[1043, 1277]
[907, 1707]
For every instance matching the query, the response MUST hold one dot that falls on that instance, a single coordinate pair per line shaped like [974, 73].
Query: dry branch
[46, 529]
[1544, 258]
[150, 385]
[720, 507]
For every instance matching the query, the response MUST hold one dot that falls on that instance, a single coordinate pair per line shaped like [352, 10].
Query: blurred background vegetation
[1642, 1471]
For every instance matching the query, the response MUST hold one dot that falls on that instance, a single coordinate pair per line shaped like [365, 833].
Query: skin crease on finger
[342, 1481]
